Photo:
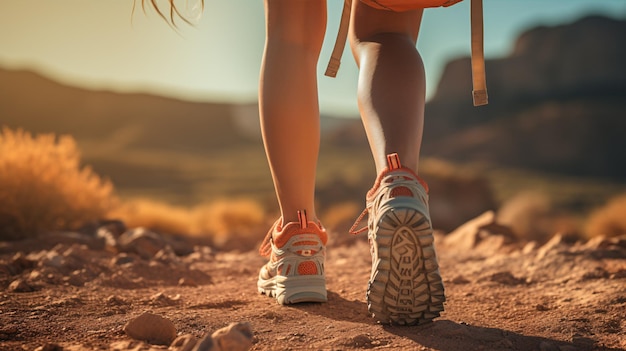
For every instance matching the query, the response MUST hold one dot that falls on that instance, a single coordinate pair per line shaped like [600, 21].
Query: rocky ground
[108, 288]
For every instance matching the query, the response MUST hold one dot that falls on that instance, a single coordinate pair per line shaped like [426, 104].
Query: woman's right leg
[405, 286]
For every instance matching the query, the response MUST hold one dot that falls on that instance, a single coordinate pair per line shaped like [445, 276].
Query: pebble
[205, 344]
[50, 347]
[187, 282]
[185, 342]
[151, 328]
[20, 285]
[141, 241]
[160, 299]
[234, 337]
[548, 346]
[507, 278]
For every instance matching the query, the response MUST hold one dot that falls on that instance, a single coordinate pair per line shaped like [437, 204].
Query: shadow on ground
[446, 335]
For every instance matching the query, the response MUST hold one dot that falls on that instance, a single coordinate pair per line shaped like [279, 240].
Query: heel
[298, 289]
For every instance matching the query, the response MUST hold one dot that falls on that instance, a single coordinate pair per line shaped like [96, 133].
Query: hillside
[557, 103]
[40, 105]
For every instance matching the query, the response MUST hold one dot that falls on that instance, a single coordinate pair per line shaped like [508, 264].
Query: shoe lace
[353, 229]
[266, 246]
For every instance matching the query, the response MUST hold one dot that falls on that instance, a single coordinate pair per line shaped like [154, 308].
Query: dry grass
[533, 216]
[227, 223]
[609, 220]
[44, 187]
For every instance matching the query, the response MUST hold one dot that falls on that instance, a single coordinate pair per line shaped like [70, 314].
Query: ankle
[302, 217]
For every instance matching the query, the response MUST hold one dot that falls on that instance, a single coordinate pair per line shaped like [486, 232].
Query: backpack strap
[479, 82]
[340, 42]
[479, 92]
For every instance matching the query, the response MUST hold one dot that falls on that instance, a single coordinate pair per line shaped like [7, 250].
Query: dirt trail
[73, 291]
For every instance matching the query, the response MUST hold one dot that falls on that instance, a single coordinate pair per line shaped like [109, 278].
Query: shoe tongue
[304, 222]
[393, 161]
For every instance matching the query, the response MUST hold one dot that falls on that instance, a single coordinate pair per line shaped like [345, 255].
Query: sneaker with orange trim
[295, 271]
[405, 286]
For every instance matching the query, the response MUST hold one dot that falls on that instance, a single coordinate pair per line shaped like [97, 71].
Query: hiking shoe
[405, 286]
[295, 271]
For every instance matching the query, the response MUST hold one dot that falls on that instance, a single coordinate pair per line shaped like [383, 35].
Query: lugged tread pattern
[405, 287]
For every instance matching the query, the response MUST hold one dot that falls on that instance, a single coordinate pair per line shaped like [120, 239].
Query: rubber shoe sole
[405, 287]
[290, 290]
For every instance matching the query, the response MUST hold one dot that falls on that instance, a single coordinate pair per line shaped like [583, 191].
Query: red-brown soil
[72, 292]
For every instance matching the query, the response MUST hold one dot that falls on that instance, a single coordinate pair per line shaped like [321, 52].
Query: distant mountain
[40, 105]
[556, 103]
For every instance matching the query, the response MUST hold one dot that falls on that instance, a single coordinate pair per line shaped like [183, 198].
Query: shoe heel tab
[393, 161]
[302, 219]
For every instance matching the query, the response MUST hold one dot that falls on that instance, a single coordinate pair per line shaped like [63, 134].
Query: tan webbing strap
[479, 82]
[340, 42]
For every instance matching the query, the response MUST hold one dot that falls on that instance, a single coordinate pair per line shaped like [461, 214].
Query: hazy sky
[98, 44]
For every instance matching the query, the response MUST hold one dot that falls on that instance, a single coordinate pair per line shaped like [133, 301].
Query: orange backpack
[479, 92]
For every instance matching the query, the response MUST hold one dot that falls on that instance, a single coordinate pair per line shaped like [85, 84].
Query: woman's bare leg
[391, 90]
[288, 100]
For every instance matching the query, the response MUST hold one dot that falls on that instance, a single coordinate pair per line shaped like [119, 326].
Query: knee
[300, 25]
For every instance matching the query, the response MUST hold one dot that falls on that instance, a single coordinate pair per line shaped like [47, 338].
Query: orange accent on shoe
[302, 218]
[281, 235]
[307, 268]
[304, 242]
[401, 191]
[387, 171]
[393, 164]
[393, 161]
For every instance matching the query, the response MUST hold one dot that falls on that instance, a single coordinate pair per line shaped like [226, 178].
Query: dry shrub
[233, 223]
[43, 186]
[533, 217]
[609, 220]
[457, 193]
[229, 224]
[154, 215]
[527, 214]
[339, 218]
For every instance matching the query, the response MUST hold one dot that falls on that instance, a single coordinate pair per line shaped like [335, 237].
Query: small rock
[115, 300]
[52, 259]
[206, 344]
[115, 226]
[160, 299]
[548, 346]
[556, 241]
[459, 279]
[151, 328]
[187, 282]
[19, 285]
[362, 341]
[142, 242]
[530, 247]
[542, 308]
[596, 273]
[507, 278]
[50, 347]
[121, 259]
[234, 337]
[20, 261]
[619, 274]
[184, 342]
[484, 230]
